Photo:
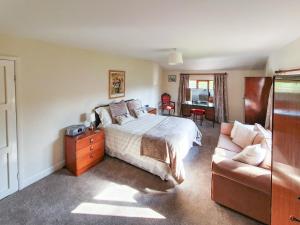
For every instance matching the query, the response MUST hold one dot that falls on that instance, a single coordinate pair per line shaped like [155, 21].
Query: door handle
[294, 219]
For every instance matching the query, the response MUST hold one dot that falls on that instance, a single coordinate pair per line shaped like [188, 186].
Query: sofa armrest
[251, 176]
[226, 128]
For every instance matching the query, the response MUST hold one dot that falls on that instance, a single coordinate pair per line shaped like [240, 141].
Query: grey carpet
[52, 200]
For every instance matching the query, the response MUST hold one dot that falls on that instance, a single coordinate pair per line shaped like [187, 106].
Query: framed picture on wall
[116, 84]
[171, 78]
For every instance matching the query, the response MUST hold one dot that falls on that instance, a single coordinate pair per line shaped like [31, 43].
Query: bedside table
[152, 110]
[84, 151]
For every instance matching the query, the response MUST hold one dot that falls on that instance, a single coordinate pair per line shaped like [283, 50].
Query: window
[201, 89]
[192, 84]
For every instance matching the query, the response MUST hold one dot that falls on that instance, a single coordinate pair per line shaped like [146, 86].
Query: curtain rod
[205, 73]
[286, 71]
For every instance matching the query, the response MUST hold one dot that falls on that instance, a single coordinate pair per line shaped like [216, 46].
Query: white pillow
[267, 162]
[243, 135]
[252, 155]
[104, 116]
[262, 131]
[237, 123]
[122, 119]
[140, 112]
[233, 131]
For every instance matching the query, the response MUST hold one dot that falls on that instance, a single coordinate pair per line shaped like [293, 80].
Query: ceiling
[211, 34]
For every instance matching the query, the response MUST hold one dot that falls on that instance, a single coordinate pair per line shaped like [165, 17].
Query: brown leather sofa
[239, 186]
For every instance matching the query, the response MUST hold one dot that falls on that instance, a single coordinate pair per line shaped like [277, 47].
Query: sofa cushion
[243, 135]
[251, 176]
[265, 137]
[262, 131]
[226, 128]
[225, 153]
[266, 163]
[252, 155]
[225, 142]
[236, 124]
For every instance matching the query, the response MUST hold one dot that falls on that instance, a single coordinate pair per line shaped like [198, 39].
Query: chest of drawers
[84, 151]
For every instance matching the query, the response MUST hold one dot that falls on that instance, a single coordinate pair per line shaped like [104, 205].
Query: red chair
[167, 104]
[198, 113]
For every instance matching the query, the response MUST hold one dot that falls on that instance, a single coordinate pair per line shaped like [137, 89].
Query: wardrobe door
[286, 151]
[256, 96]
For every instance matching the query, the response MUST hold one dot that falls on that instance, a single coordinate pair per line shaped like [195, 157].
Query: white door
[8, 140]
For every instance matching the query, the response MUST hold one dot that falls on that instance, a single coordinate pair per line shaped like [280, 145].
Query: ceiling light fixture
[175, 57]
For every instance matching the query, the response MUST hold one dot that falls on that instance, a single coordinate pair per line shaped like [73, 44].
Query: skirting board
[40, 175]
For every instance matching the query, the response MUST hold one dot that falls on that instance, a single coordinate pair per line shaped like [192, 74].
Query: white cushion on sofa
[252, 155]
[236, 124]
[243, 135]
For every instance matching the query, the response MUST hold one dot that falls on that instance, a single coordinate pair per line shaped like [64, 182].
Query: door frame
[16, 60]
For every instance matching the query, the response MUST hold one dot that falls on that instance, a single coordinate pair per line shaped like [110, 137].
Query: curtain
[183, 85]
[220, 97]
[268, 123]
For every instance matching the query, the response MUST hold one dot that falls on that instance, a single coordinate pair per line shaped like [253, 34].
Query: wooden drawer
[84, 142]
[89, 155]
[84, 151]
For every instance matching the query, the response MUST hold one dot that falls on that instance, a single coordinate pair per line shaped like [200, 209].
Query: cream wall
[56, 85]
[287, 57]
[235, 88]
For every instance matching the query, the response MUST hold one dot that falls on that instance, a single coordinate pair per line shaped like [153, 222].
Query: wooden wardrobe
[286, 151]
[257, 90]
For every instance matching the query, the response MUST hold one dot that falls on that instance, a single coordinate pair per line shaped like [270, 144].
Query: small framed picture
[171, 78]
[116, 84]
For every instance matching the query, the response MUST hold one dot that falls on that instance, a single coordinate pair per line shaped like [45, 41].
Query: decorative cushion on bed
[104, 116]
[122, 119]
[134, 105]
[243, 135]
[140, 112]
[118, 109]
[252, 155]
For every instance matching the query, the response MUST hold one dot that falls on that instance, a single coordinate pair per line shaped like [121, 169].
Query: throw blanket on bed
[165, 142]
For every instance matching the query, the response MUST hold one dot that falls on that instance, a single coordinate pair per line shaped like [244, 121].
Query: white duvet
[124, 142]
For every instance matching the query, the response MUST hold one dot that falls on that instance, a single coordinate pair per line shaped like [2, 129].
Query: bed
[126, 141]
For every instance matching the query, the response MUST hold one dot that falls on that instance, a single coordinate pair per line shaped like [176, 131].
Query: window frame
[198, 81]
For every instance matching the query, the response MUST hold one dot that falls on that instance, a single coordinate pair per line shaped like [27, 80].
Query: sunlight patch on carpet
[113, 210]
[116, 192]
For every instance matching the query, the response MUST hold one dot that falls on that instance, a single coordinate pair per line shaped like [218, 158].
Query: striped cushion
[134, 105]
[118, 109]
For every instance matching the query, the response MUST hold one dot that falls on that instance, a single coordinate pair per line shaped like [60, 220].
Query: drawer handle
[91, 140]
[294, 219]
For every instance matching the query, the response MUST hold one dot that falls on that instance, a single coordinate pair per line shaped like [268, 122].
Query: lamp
[175, 58]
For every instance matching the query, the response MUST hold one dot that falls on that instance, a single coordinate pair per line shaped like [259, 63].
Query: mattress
[124, 142]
